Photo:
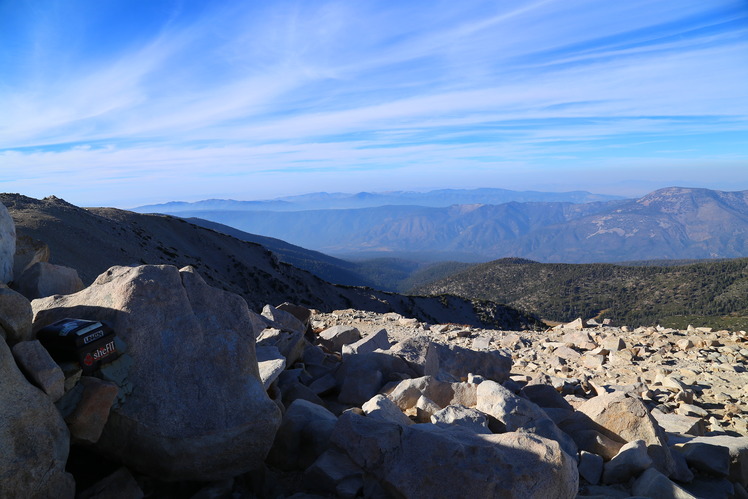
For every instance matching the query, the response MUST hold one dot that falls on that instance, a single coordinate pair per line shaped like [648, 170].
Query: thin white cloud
[244, 90]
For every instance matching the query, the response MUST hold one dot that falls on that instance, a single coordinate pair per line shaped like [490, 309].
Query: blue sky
[123, 103]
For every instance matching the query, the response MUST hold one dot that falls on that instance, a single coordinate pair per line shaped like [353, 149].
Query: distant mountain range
[671, 223]
[337, 200]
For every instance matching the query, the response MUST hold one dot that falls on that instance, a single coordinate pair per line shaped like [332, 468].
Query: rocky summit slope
[95, 239]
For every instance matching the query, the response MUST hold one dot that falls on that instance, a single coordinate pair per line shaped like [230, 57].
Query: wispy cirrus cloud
[254, 96]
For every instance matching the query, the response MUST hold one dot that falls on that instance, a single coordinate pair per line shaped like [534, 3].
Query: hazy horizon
[127, 103]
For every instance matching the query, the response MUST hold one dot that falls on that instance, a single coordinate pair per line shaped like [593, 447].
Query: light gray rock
[420, 353]
[198, 409]
[46, 279]
[7, 245]
[336, 336]
[467, 417]
[303, 314]
[520, 414]
[676, 423]
[627, 418]
[652, 483]
[270, 363]
[631, 460]
[362, 376]
[368, 344]
[406, 394]
[380, 407]
[15, 316]
[289, 343]
[303, 435]
[283, 319]
[34, 441]
[466, 464]
[39, 368]
[459, 362]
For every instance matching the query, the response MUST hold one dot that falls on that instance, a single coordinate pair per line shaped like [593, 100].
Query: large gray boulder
[7, 245]
[197, 408]
[34, 441]
[459, 362]
[519, 414]
[46, 279]
[426, 461]
[627, 418]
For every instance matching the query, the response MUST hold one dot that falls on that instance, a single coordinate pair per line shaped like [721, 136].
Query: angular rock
[380, 407]
[396, 457]
[303, 435]
[459, 362]
[627, 418]
[652, 483]
[368, 344]
[284, 320]
[303, 314]
[7, 245]
[198, 409]
[362, 376]
[738, 447]
[335, 337]
[590, 467]
[271, 363]
[545, 396]
[631, 460]
[425, 408]
[420, 353]
[675, 423]
[290, 343]
[520, 414]
[34, 441]
[707, 458]
[46, 279]
[39, 368]
[406, 394]
[332, 469]
[467, 417]
[15, 316]
[87, 420]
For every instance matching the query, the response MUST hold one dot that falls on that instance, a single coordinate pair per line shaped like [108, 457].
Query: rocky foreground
[207, 399]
